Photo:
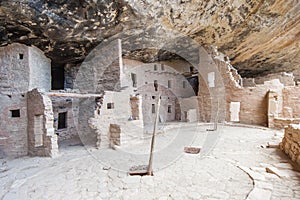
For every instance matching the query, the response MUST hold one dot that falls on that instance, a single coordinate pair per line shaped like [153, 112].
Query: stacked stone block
[291, 142]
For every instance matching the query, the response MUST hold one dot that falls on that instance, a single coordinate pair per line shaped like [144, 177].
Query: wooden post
[121, 67]
[150, 171]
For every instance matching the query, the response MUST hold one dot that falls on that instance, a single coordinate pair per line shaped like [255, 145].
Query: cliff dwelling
[149, 100]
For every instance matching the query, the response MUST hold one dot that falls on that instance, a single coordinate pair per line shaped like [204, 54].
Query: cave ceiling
[259, 36]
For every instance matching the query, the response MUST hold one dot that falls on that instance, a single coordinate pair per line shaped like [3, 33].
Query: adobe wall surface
[291, 142]
[13, 131]
[39, 104]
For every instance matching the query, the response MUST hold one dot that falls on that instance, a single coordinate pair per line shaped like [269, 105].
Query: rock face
[259, 36]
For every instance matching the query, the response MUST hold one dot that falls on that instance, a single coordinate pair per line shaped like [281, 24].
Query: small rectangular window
[62, 120]
[110, 105]
[169, 83]
[15, 113]
[162, 67]
[191, 69]
[21, 56]
[155, 67]
[169, 109]
[153, 97]
[134, 82]
[153, 108]
[184, 84]
[155, 85]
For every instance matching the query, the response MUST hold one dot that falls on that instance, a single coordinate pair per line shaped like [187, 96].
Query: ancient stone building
[26, 111]
[89, 74]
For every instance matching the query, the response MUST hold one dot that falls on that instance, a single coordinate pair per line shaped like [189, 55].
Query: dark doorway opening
[57, 77]
[194, 82]
[62, 120]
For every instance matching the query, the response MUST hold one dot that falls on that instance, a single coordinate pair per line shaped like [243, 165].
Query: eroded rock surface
[259, 36]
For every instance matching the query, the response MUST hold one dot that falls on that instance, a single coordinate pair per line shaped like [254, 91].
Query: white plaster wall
[235, 111]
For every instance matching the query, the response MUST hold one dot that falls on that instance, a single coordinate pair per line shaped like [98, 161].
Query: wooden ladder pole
[150, 170]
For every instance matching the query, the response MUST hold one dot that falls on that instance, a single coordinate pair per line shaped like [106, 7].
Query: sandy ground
[232, 165]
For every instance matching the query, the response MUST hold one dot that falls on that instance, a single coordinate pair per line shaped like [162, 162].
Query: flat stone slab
[191, 150]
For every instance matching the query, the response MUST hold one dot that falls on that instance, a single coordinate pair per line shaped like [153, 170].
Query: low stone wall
[280, 123]
[41, 138]
[291, 142]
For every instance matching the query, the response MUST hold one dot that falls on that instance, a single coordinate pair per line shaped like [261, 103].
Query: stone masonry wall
[285, 78]
[70, 106]
[253, 100]
[14, 69]
[39, 104]
[13, 131]
[291, 142]
[291, 101]
[39, 70]
[71, 71]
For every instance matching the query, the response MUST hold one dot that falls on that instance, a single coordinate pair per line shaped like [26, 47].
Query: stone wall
[280, 123]
[42, 141]
[14, 69]
[287, 79]
[13, 131]
[291, 142]
[270, 104]
[39, 70]
[291, 102]
[170, 84]
[23, 68]
[69, 106]
[253, 100]
[71, 71]
[189, 109]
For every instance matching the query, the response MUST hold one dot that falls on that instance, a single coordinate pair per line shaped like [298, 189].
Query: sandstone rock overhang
[260, 37]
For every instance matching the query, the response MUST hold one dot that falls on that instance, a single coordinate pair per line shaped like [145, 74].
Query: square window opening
[21, 56]
[15, 113]
[110, 105]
